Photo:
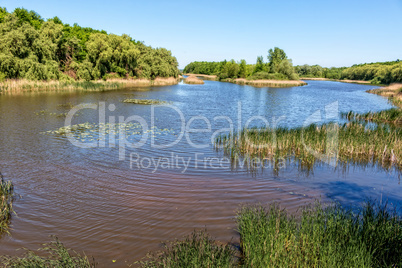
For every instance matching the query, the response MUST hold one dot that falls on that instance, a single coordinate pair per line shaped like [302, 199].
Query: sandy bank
[13, 86]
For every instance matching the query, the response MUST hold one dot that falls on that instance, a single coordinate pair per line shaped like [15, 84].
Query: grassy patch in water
[390, 116]
[321, 237]
[350, 142]
[144, 101]
[57, 256]
[6, 206]
[196, 250]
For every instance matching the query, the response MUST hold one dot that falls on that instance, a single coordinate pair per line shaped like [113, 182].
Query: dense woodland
[37, 49]
[278, 67]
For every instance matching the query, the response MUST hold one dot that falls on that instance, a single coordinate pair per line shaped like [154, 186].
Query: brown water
[96, 203]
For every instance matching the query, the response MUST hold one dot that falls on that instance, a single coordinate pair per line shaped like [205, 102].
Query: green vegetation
[197, 250]
[36, 49]
[6, 207]
[144, 101]
[391, 116]
[376, 73]
[279, 67]
[321, 237]
[355, 143]
[58, 256]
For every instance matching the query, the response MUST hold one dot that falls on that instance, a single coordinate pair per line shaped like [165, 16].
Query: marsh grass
[22, 86]
[390, 116]
[267, 83]
[321, 237]
[346, 143]
[193, 80]
[58, 256]
[6, 203]
[145, 101]
[196, 250]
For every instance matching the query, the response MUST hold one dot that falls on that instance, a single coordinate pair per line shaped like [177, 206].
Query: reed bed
[144, 101]
[268, 83]
[196, 250]
[193, 80]
[20, 86]
[391, 116]
[53, 254]
[351, 142]
[393, 92]
[320, 237]
[205, 76]
[6, 203]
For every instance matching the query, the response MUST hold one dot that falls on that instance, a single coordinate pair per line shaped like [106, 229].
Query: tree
[275, 57]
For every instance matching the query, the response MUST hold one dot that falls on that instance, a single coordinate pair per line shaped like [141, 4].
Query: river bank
[393, 92]
[337, 80]
[12, 86]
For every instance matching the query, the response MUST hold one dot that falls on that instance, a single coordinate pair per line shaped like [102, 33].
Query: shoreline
[337, 80]
[392, 91]
[20, 86]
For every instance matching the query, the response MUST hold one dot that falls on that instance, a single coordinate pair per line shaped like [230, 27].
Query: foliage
[58, 256]
[34, 49]
[322, 237]
[197, 250]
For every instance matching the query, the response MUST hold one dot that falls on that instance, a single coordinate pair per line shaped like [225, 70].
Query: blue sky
[329, 33]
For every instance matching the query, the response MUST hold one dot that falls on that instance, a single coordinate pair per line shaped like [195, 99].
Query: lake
[158, 176]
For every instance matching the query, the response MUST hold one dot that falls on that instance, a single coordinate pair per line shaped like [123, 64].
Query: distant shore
[336, 80]
[18, 86]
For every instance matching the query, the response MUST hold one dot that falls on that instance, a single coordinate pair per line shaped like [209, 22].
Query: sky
[325, 32]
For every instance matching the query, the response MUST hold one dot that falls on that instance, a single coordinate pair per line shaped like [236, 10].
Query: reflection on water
[119, 203]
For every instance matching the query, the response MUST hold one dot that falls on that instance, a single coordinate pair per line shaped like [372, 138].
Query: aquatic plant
[192, 79]
[196, 250]
[355, 143]
[56, 255]
[6, 203]
[145, 101]
[391, 116]
[320, 237]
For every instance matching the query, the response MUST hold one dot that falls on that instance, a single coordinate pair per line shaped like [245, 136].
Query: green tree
[275, 58]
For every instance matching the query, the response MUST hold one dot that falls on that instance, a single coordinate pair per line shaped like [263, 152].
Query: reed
[57, 255]
[193, 80]
[393, 92]
[391, 116]
[12, 86]
[196, 250]
[320, 237]
[351, 142]
[6, 204]
[267, 83]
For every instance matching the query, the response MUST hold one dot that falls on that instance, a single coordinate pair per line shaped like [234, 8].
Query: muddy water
[118, 207]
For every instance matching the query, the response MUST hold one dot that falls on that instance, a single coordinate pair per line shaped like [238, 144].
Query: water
[120, 209]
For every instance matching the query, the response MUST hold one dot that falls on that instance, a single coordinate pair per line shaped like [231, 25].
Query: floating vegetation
[53, 254]
[145, 101]
[89, 132]
[6, 206]
[47, 112]
[67, 105]
[197, 250]
[352, 142]
[321, 237]
[391, 116]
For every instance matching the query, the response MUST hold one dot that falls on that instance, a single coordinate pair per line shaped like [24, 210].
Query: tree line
[37, 49]
[376, 73]
[278, 67]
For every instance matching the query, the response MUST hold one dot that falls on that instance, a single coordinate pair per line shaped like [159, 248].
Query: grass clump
[197, 250]
[321, 237]
[6, 206]
[345, 143]
[58, 256]
[390, 116]
[193, 80]
[144, 101]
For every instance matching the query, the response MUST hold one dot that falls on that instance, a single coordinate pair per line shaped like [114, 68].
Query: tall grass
[6, 206]
[58, 256]
[196, 250]
[391, 116]
[346, 143]
[193, 80]
[321, 237]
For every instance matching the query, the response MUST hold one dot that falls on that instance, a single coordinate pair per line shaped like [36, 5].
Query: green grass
[391, 116]
[196, 250]
[58, 256]
[6, 206]
[144, 101]
[347, 143]
[321, 237]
